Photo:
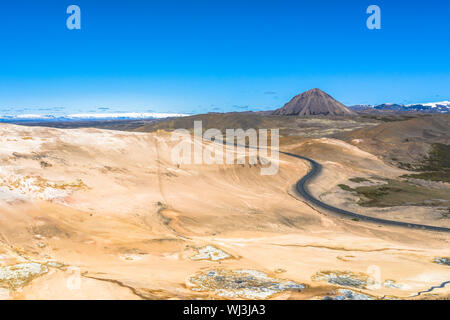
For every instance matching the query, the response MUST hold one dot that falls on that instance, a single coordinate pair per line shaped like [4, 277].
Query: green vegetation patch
[359, 180]
[399, 193]
[346, 187]
[436, 166]
[446, 214]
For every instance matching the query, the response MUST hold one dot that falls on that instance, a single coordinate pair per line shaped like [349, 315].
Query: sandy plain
[98, 214]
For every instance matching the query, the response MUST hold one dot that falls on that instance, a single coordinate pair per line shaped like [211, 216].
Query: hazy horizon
[203, 56]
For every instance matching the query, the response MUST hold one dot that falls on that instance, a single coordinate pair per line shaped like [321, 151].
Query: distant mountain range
[316, 102]
[432, 107]
[88, 117]
[309, 103]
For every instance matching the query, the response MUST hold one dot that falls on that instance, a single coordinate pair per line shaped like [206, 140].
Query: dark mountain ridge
[314, 102]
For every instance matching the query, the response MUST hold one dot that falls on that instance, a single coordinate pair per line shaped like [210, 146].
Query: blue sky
[215, 55]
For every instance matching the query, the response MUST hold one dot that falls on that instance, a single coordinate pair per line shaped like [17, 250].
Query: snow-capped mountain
[437, 104]
[430, 107]
[361, 107]
[88, 116]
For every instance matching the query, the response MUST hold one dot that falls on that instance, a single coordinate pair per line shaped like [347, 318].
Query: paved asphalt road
[443, 284]
[302, 189]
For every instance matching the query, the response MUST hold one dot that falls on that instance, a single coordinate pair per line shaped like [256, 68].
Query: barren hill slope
[314, 102]
[112, 209]
[406, 141]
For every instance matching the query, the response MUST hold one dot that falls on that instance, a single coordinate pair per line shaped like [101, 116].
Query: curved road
[302, 190]
[443, 284]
